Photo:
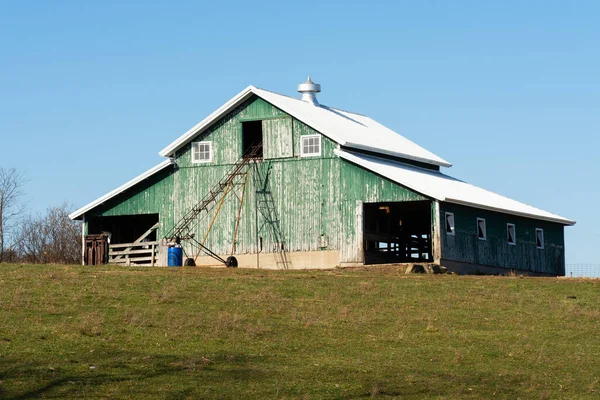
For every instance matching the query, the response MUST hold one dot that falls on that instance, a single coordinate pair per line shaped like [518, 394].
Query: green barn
[272, 181]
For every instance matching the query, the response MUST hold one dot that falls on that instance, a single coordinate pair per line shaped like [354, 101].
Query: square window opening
[539, 238]
[481, 231]
[202, 152]
[511, 234]
[252, 139]
[310, 145]
[450, 224]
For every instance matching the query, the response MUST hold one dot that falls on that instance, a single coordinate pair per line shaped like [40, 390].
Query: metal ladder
[265, 204]
[182, 230]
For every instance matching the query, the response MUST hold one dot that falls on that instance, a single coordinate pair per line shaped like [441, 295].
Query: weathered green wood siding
[277, 138]
[152, 196]
[226, 134]
[319, 201]
[465, 246]
[301, 129]
[358, 186]
[314, 197]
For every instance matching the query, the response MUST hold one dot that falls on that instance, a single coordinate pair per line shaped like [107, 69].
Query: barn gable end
[318, 198]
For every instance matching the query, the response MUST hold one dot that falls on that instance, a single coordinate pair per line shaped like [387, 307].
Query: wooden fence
[142, 253]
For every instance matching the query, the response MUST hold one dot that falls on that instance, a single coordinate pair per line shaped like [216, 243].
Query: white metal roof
[79, 213]
[346, 128]
[445, 188]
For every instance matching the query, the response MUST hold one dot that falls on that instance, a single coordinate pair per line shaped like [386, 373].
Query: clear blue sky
[508, 91]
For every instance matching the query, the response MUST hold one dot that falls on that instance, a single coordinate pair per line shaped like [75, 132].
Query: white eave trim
[77, 214]
[563, 221]
[442, 163]
[357, 160]
[440, 197]
[232, 103]
[170, 150]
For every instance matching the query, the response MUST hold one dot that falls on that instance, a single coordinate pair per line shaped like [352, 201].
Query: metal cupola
[309, 91]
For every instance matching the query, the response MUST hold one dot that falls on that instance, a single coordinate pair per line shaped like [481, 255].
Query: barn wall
[151, 196]
[318, 199]
[358, 186]
[466, 247]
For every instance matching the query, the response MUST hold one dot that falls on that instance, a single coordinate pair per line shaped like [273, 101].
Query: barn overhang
[78, 214]
[444, 188]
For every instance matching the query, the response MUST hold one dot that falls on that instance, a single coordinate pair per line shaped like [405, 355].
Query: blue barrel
[175, 257]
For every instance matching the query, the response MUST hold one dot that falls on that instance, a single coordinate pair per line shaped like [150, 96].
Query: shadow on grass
[231, 375]
[147, 375]
[442, 385]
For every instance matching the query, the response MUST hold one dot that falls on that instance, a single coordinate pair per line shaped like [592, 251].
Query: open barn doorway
[252, 139]
[124, 228]
[130, 239]
[397, 232]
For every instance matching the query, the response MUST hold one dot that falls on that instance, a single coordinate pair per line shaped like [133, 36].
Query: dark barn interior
[397, 232]
[252, 137]
[125, 228]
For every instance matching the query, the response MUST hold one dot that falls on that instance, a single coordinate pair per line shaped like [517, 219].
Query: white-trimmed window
[449, 224]
[310, 145]
[539, 238]
[481, 232]
[202, 152]
[511, 234]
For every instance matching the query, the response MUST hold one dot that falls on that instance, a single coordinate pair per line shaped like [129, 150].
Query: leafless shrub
[11, 209]
[51, 238]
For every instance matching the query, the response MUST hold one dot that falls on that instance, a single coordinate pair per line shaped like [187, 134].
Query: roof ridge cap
[324, 106]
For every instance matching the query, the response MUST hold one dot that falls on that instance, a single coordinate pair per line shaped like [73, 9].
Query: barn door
[277, 138]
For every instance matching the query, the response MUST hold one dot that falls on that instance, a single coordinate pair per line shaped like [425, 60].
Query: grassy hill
[220, 333]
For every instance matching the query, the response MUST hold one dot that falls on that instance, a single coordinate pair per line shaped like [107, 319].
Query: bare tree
[52, 238]
[32, 239]
[63, 236]
[11, 207]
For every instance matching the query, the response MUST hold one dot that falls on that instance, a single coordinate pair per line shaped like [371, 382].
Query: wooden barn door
[96, 249]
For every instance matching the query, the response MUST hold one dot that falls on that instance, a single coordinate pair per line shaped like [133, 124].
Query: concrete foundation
[463, 268]
[325, 259]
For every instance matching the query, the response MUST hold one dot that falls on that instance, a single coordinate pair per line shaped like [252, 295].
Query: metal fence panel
[582, 270]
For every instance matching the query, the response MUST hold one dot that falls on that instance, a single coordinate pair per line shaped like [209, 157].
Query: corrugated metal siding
[465, 246]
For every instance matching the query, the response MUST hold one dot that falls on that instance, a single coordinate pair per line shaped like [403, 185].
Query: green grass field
[343, 334]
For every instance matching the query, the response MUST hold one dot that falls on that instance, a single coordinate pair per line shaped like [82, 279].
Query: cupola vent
[309, 91]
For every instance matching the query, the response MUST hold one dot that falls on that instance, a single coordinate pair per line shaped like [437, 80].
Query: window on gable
[450, 224]
[539, 238]
[481, 232]
[310, 145]
[202, 152]
[511, 234]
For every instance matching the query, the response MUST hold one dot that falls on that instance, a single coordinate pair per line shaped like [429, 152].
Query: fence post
[152, 255]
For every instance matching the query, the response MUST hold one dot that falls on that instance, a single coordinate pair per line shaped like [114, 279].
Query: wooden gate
[96, 249]
[140, 252]
[144, 253]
